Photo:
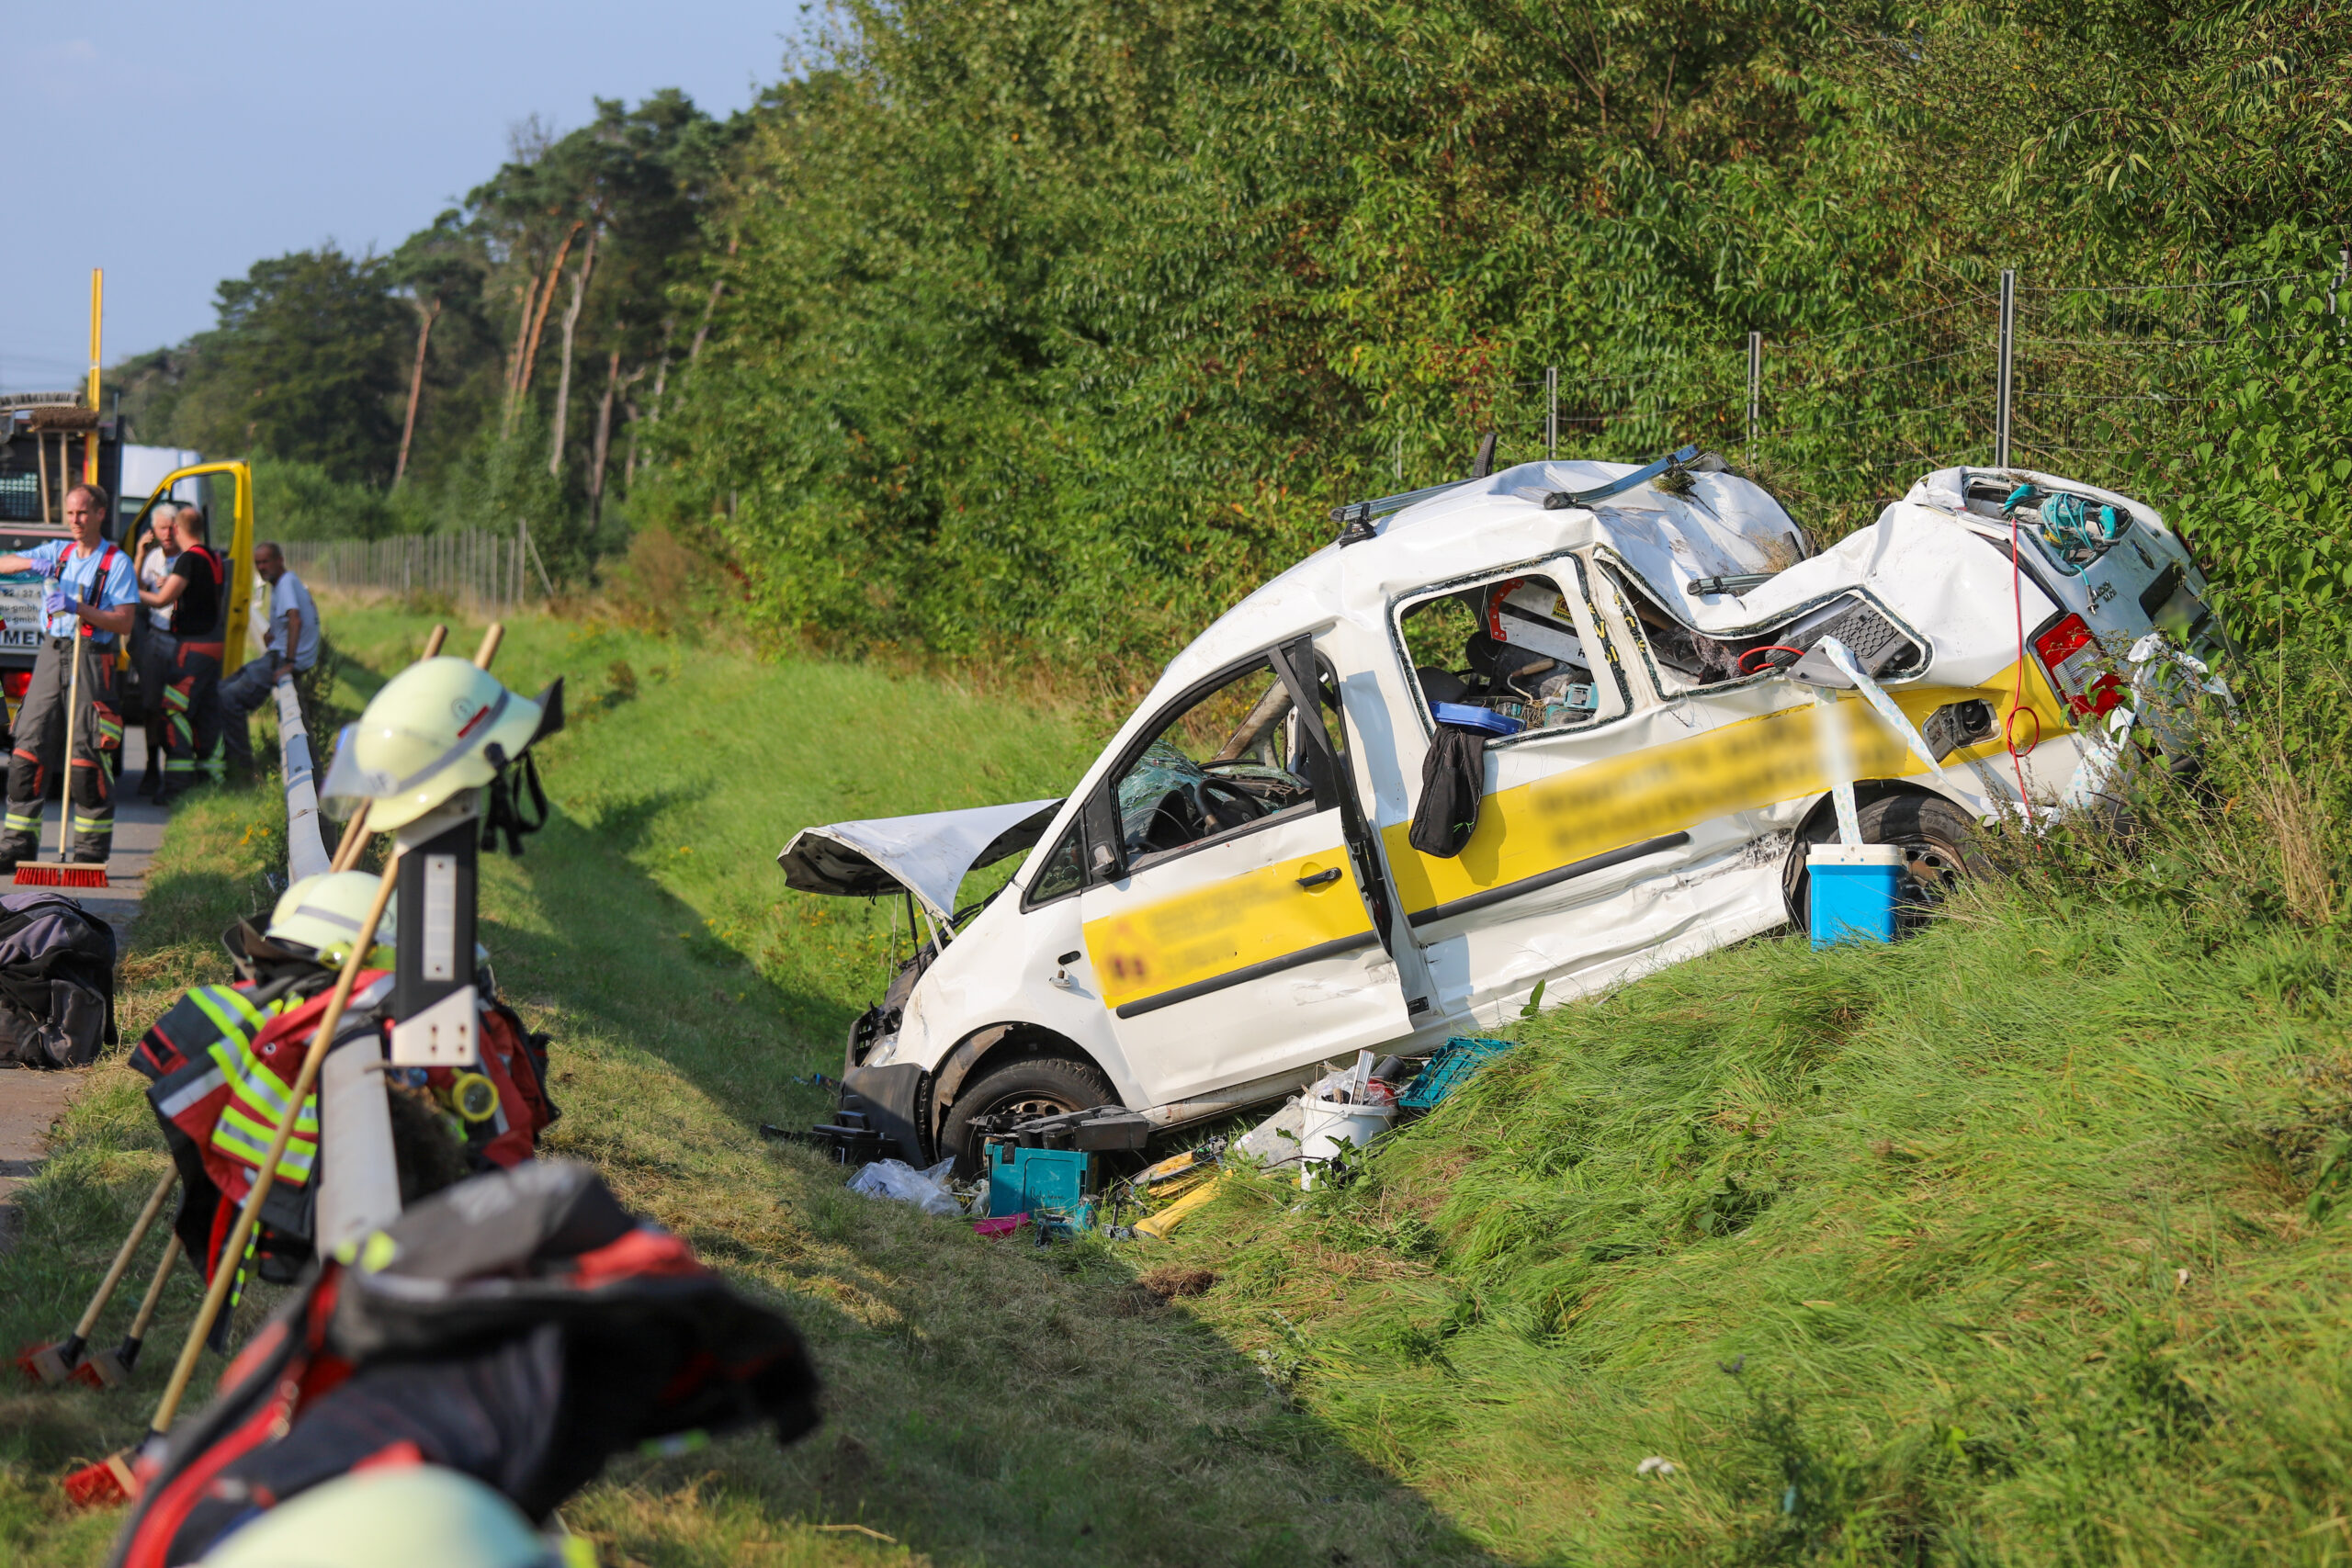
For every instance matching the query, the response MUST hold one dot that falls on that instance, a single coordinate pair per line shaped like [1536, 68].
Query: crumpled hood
[928, 854]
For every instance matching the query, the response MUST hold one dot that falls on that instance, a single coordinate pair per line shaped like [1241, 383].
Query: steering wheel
[1213, 789]
[1176, 821]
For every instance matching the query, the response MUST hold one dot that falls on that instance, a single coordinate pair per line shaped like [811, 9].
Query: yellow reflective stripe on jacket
[247, 1139]
[258, 1087]
[230, 1013]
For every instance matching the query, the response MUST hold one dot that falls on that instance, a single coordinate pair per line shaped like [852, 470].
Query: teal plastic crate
[1442, 1074]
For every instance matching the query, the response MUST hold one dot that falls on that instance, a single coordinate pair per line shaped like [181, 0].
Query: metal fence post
[2005, 377]
[1551, 412]
[1754, 394]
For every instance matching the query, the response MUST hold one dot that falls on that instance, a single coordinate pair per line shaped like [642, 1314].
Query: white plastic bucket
[1323, 1123]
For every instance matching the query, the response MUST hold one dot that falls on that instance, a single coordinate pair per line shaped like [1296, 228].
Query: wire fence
[2105, 383]
[478, 569]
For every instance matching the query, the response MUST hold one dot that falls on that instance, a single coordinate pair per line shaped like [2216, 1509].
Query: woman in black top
[189, 655]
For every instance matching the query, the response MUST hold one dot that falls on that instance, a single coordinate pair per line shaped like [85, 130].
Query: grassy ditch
[2019, 1242]
[987, 1403]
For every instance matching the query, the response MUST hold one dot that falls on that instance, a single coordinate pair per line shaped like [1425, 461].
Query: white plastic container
[1326, 1121]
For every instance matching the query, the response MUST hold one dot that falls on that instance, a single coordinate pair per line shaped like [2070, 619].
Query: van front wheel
[1034, 1086]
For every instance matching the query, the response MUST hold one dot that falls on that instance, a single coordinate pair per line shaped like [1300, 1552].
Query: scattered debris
[1658, 1465]
[1275, 1140]
[999, 1225]
[1176, 1214]
[926, 1189]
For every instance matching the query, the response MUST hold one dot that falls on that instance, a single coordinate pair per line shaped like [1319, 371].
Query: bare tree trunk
[426, 316]
[710, 306]
[661, 372]
[540, 326]
[629, 464]
[604, 443]
[530, 293]
[563, 381]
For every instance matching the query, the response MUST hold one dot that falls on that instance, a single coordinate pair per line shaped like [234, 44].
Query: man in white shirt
[292, 645]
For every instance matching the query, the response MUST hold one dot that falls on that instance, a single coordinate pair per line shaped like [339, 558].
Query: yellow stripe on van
[1616, 801]
[1215, 929]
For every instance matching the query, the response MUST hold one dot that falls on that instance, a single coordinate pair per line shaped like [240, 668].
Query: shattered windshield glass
[1160, 770]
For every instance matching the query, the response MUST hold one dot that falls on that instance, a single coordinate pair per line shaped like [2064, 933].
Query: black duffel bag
[56, 982]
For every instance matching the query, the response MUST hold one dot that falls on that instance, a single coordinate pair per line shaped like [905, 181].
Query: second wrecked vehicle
[1236, 890]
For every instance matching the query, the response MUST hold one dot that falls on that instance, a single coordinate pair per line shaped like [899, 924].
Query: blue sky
[174, 144]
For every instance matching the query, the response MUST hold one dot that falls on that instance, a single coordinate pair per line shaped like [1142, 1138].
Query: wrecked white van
[1238, 889]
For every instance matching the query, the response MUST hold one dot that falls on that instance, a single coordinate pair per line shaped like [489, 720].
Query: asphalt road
[31, 1102]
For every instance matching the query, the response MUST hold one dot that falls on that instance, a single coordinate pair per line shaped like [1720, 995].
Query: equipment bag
[521, 1327]
[1454, 775]
[56, 982]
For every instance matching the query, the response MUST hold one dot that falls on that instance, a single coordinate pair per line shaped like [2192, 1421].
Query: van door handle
[1320, 878]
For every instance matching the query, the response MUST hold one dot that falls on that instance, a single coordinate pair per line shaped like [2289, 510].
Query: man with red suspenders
[93, 597]
[188, 656]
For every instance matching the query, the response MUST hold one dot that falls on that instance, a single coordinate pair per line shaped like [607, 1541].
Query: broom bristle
[48, 874]
[47, 1363]
[102, 1484]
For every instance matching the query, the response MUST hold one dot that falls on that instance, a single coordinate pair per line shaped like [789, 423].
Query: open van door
[1235, 917]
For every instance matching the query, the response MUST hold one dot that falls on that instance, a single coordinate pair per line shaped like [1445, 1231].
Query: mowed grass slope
[987, 1403]
[2020, 1242]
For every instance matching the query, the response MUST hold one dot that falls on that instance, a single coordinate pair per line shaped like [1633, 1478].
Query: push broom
[112, 1368]
[112, 1479]
[61, 873]
[55, 1362]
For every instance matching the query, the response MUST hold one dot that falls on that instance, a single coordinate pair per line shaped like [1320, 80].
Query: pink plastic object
[1003, 1225]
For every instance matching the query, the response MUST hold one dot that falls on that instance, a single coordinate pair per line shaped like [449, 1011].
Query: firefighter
[187, 657]
[93, 597]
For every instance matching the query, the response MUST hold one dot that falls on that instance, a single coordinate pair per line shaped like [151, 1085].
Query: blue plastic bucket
[1854, 891]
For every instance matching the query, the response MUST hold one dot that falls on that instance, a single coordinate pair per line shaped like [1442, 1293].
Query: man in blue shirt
[91, 600]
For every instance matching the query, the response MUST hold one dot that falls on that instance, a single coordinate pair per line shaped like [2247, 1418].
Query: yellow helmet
[427, 735]
[323, 914]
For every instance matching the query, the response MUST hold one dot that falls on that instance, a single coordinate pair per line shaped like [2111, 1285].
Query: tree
[305, 363]
[432, 268]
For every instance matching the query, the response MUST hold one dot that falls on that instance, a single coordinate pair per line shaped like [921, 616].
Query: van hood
[928, 856]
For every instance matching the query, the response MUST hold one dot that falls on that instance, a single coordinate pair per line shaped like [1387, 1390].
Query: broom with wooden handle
[62, 873]
[111, 1478]
[111, 1369]
[54, 1362]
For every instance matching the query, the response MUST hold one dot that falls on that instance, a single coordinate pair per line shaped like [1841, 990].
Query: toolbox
[1057, 1183]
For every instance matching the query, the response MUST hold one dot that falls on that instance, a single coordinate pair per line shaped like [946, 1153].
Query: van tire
[1041, 1084]
[1940, 848]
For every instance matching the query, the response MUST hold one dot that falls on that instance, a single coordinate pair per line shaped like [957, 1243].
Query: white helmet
[427, 735]
[409, 1516]
[324, 913]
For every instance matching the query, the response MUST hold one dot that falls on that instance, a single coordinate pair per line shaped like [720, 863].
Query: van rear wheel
[1034, 1086]
[1936, 838]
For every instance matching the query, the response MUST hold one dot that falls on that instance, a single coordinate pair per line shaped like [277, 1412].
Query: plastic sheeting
[929, 855]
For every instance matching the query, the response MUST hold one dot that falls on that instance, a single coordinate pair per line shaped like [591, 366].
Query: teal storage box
[1854, 891]
[1035, 1181]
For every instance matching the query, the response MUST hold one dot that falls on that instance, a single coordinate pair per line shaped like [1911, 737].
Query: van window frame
[1545, 566]
[1606, 559]
[1107, 784]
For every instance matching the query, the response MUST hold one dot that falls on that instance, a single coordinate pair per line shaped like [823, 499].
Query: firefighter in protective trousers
[92, 597]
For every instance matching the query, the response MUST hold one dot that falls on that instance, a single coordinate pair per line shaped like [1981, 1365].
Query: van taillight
[2071, 654]
[15, 683]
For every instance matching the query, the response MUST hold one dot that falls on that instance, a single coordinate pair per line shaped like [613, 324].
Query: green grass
[2019, 1242]
[987, 1402]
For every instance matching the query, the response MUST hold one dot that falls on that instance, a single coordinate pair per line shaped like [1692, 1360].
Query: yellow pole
[97, 315]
